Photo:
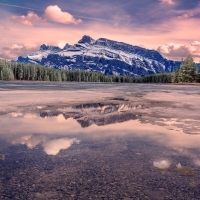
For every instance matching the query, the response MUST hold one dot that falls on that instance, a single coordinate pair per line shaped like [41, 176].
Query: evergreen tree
[7, 74]
[198, 76]
[187, 72]
[1, 75]
[20, 72]
[63, 76]
[175, 75]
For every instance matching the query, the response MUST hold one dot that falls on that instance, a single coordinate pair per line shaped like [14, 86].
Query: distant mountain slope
[104, 56]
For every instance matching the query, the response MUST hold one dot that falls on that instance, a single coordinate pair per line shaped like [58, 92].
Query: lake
[99, 141]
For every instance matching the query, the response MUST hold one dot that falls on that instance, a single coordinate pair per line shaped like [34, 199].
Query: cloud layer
[51, 14]
[30, 19]
[55, 14]
[153, 25]
[178, 51]
[15, 50]
[170, 2]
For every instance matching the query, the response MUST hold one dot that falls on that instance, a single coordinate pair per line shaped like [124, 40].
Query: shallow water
[99, 141]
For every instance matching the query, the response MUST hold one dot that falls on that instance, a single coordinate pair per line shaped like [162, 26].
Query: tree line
[155, 78]
[34, 72]
[187, 73]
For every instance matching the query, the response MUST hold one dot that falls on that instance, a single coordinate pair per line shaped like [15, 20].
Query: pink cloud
[178, 50]
[185, 15]
[55, 14]
[30, 19]
[170, 2]
[52, 13]
[15, 50]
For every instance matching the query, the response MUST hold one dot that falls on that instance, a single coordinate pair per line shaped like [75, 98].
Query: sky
[168, 26]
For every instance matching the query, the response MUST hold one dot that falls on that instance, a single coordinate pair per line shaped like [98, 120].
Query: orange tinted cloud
[30, 19]
[55, 14]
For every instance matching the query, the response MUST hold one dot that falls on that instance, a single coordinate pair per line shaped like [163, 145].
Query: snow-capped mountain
[104, 56]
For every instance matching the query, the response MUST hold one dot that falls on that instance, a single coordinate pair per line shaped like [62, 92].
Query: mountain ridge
[104, 56]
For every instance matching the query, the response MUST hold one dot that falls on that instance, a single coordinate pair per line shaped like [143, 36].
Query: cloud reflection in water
[53, 147]
[163, 164]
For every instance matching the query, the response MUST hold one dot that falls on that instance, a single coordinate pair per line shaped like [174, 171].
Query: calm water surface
[99, 141]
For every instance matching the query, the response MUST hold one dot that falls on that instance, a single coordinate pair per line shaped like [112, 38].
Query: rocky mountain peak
[86, 39]
[67, 46]
[43, 47]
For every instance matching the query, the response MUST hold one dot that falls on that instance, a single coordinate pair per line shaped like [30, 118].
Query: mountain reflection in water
[140, 144]
[95, 113]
